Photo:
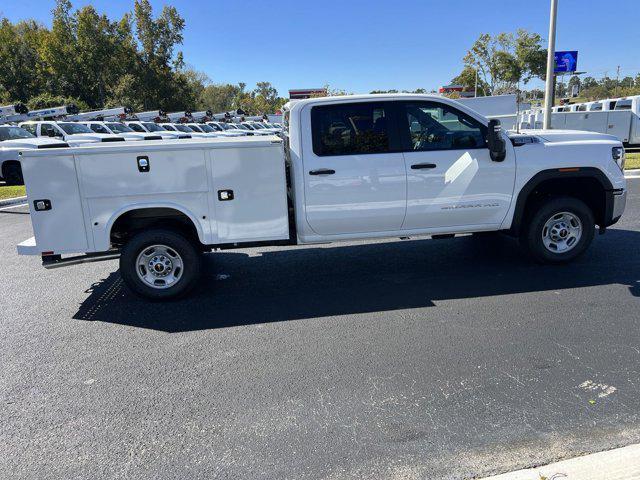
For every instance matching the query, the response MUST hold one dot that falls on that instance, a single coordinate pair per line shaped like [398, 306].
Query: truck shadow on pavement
[273, 285]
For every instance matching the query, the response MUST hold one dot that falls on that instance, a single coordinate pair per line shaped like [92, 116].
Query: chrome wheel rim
[159, 266]
[562, 232]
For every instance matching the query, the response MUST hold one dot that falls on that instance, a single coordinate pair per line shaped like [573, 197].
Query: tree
[21, 71]
[47, 100]
[219, 98]
[467, 78]
[505, 60]
[158, 38]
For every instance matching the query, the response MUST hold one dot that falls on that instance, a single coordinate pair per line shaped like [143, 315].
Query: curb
[12, 201]
[619, 464]
[634, 171]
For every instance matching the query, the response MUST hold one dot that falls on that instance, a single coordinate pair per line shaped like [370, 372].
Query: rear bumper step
[56, 261]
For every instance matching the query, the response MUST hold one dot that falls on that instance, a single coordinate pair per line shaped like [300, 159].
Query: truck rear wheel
[160, 264]
[559, 230]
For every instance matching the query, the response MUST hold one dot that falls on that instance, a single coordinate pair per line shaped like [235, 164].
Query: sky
[359, 46]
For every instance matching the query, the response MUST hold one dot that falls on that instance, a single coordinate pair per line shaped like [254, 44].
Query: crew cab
[117, 128]
[75, 134]
[13, 140]
[352, 167]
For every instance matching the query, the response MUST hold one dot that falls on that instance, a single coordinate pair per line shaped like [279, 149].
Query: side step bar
[56, 261]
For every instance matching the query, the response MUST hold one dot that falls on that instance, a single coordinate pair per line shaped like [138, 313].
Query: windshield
[229, 126]
[119, 127]
[72, 128]
[258, 126]
[215, 126]
[206, 128]
[153, 127]
[245, 127]
[171, 128]
[13, 133]
[184, 128]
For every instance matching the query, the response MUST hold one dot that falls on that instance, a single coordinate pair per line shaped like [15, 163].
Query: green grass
[11, 192]
[632, 161]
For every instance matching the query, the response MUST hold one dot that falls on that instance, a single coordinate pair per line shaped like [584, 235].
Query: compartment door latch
[143, 164]
[42, 205]
[224, 195]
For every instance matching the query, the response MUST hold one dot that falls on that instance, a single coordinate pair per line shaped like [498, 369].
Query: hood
[554, 136]
[36, 142]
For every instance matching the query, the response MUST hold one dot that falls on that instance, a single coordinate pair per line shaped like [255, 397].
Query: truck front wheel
[160, 264]
[559, 230]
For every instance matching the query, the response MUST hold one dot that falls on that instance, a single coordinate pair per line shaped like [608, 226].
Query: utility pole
[617, 79]
[551, 51]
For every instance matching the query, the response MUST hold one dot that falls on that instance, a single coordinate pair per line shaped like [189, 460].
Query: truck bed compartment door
[250, 194]
[58, 221]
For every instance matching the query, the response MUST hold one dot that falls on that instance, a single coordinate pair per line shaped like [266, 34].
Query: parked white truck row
[108, 125]
[355, 167]
[614, 116]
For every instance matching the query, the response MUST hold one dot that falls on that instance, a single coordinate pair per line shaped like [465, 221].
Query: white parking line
[14, 206]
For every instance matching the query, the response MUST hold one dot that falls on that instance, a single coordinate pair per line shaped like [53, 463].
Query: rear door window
[96, 127]
[47, 130]
[350, 129]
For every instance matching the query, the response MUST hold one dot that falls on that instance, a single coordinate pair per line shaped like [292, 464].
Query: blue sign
[566, 62]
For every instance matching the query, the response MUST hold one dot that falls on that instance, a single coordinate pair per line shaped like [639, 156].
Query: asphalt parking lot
[398, 359]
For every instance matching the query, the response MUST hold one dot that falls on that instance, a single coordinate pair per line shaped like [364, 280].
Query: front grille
[184, 136]
[54, 145]
[114, 139]
[153, 137]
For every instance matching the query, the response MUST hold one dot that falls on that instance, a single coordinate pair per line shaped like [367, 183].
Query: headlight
[618, 156]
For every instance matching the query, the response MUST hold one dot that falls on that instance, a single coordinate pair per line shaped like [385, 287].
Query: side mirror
[496, 144]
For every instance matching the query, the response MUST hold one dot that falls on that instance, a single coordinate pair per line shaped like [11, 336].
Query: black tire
[12, 174]
[532, 238]
[187, 253]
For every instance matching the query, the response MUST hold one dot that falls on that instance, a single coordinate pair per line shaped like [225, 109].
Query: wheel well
[9, 163]
[133, 221]
[588, 189]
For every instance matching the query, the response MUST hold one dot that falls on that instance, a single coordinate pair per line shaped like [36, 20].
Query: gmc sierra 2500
[351, 167]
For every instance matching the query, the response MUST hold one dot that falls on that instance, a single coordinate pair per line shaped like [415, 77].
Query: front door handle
[422, 166]
[322, 171]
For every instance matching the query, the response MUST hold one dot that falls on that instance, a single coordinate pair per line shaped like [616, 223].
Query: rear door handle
[422, 166]
[322, 171]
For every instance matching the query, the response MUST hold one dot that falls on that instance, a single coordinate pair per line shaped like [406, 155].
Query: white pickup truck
[12, 141]
[352, 167]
